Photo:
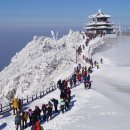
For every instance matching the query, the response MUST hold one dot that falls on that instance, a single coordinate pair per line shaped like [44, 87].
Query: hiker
[85, 68]
[71, 82]
[44, 109]
[65, 83]
[83, 47]
[88, 77]
[18, 121]
[86, 84]
[89, 84]
[83, 57]
[62, 95]
[69, 94]
[38, 111]
[79, 66]
[82, 71]
[97, 66]
[49, 111]
[34, 118]
[74, 79]
[19, 105]
[24, 119]
[62, 85]
[90, 69]
[59, 84]
[66, 102]
[55, 102]
[95, 63]
[15, 105]
[101, 60]
[91, 62]
[79, 76]
[30, 116]
[77, 69]
[37, 125]
[62, 104]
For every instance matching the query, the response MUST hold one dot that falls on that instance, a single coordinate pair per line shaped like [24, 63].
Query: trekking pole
[36, 95]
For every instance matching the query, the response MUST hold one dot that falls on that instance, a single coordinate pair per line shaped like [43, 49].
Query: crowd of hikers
[32, 118]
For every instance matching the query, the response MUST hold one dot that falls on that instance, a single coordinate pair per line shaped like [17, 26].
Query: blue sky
[38, 13]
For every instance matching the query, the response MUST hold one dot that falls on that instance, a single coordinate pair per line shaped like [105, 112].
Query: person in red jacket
[38, 126]
[82, 71]
[79, 76]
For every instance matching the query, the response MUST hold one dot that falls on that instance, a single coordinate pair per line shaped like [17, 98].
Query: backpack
[17, 119]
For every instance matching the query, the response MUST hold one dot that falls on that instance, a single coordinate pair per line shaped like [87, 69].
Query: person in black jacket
[59, 84]
[55, 102]
[34, 118]
[49, 111]
[38, 112]
[74, 79]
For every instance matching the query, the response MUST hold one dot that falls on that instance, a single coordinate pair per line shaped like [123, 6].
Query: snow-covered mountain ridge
[39, 63]
[42, 61]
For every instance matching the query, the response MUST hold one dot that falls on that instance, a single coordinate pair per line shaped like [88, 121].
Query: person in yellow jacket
[98, 66]
[15, 105]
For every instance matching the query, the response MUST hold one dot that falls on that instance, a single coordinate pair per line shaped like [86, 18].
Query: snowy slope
[42, 61]
[104, 107]
[90, 109]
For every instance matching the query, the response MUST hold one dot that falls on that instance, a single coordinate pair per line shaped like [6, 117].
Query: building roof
[99, 23]
[100, 27]
[100, 15]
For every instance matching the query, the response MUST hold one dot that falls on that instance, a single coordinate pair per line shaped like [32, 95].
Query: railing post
[1, 108]
[32, 97]
[43, 93]
[36, 95]
[27, 98]
[40, 94]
